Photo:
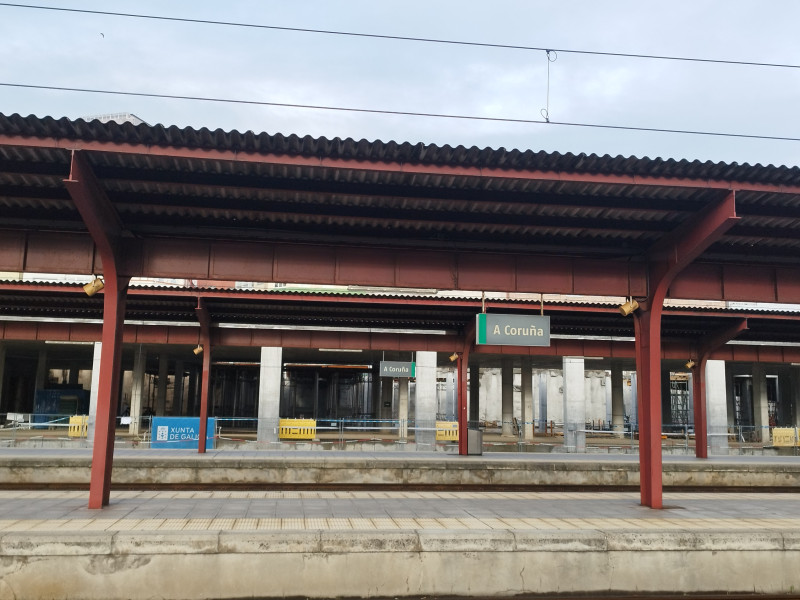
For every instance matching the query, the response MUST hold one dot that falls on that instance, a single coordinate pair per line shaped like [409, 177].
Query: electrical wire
[401, 112]
[402, 38]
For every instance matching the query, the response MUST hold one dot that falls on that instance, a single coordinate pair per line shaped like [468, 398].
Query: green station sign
[393, 368]
[512, 330]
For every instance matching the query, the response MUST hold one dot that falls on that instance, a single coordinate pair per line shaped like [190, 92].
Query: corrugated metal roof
[392, 151]
[188, 196]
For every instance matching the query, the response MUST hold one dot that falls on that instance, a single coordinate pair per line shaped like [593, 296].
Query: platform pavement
[61, 511]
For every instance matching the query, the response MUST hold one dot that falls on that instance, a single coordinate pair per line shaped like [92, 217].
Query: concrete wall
[597, 399]
[397, 469]
[408, 563]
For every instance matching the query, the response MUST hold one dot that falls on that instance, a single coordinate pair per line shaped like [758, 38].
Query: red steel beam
[718, 339]
[336, 265]
[432, 302]
[189, 336]
[236, 156]
[668, 257]
[94, 207]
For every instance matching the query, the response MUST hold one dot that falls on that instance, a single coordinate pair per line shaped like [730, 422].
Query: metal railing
[39, 430]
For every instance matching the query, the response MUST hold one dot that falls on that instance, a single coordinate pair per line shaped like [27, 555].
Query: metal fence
[237, 433]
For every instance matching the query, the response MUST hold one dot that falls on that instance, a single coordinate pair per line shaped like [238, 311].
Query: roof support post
[647, 328]
[104, 227]
[665, 260]
[463, 376]
[717, 340]
[205, 342]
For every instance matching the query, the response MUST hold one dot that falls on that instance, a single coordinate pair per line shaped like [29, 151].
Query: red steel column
[463, 376]
[463, 416]
[201, 447]
[107, 390]
[666, 259]
[103, 223]
[205, 341]
[647, 324]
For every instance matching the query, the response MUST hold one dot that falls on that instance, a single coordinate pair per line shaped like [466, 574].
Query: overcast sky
[78, 50]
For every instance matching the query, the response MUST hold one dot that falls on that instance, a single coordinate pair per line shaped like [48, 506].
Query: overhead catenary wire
[402, 112]
[402, 38]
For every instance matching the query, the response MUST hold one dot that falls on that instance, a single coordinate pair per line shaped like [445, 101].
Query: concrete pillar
[177, 389]
[526, 388]
[617, 400]
[74, 375]
[716, 407]
[161, 391]
[474, 395]
[387, 394]
[760, 404]
[270, 385]
[41, 370]
[425, 401]
[507, 396]
[544, 376]
[375, 393]
[574, 404]
[731, 385]
[634, 401]
[2, 375]
[93, 392]
[137, 389]
[194, 389]
[794, 393]
[402, 408]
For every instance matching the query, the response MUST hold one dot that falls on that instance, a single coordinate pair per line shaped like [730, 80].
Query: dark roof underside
[188, 196]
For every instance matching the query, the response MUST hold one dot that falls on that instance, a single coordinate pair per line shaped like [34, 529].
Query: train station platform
[387, 541]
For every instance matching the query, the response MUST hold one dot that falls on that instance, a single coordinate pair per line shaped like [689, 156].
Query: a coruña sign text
[512, 330]
[393, 368]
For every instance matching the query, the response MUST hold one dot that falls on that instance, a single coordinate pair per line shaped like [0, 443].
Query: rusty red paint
[745, 285]
[306, 264]
[59, 254]
[488, 271]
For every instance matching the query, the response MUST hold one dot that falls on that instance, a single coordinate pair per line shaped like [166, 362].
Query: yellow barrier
[446, 431]
[78, 426]
[785, 436]
[297, 429]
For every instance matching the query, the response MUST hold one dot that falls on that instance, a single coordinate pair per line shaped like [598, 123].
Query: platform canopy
[191, 203]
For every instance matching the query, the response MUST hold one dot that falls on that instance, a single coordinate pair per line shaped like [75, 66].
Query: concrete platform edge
[260, 470]
[324, 564]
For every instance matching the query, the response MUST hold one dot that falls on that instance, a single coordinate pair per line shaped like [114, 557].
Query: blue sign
[180, 432]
